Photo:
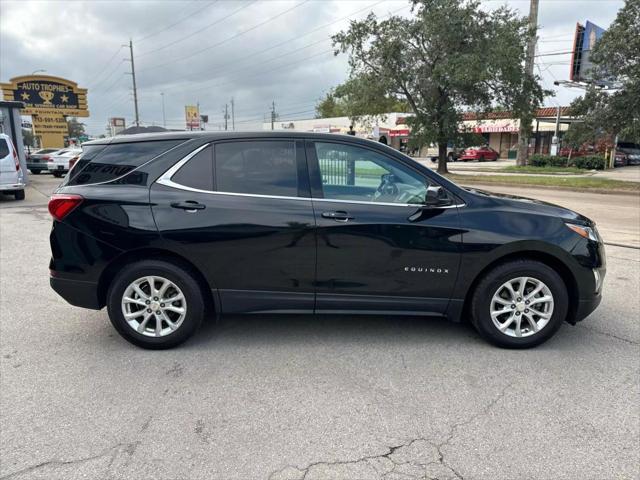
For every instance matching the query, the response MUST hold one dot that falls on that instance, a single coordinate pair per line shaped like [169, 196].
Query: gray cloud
[76, 39]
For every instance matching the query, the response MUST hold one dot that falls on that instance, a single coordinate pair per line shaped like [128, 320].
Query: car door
[240, 210]
[379, 250]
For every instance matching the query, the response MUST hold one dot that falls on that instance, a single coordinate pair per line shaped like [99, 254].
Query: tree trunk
[442, 157]
[523, 142]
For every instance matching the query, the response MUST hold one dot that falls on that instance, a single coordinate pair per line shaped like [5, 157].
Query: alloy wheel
[521, 307]
[154, 306]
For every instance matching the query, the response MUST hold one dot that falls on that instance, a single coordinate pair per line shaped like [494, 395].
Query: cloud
[209, 51]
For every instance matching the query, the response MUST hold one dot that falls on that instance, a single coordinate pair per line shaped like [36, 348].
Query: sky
[209, 52]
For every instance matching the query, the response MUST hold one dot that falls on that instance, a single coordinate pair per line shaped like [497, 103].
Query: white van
[12, 179]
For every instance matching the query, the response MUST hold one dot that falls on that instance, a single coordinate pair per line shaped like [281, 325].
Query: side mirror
[436, 197]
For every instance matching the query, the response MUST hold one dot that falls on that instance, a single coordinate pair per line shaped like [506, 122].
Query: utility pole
[273, 113]
[164, 118]
[135, 90]
[226, 115]
[526, 119]
[233, 115]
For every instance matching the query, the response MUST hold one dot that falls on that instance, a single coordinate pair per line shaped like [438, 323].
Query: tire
[193, 304]
[493, 282]
[35, 171]
[57, 174]
[451, 158]
[18, 194]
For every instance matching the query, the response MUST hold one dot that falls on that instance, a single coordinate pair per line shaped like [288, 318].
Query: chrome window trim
[165, 179]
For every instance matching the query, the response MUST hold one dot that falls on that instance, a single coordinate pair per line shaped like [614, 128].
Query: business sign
[116, 122]
[489, 126]
[192, 116]
[584, 42]
[399, 132]
[49, 100]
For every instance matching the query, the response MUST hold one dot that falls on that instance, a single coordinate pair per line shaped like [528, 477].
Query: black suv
[165, 229]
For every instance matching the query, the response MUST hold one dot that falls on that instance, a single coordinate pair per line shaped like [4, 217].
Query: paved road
[320, 398]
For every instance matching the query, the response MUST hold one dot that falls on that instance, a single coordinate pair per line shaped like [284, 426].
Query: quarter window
[354, 173]
[257, 167]
[197, 172]
[103, 163]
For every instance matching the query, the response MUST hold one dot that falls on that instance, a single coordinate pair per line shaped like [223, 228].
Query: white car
[12, 179]
[58, 162]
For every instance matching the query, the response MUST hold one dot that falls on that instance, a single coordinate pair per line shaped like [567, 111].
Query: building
[499, 129]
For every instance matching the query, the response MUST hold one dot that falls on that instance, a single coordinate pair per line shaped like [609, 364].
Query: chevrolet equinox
[164, 229]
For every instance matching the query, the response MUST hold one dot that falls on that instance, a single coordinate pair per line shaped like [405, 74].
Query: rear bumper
[77, 293]
[37, 166]
[4, 187]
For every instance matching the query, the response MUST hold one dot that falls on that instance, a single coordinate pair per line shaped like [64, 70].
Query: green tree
[76, 128]
[448, 58]
[615, 56]
[27, 137]
[359, 98]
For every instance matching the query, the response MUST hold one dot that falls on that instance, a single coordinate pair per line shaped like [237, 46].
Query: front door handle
[190, 206]
[338, 216]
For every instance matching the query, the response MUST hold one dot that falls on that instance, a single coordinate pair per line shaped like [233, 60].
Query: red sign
[401, 132]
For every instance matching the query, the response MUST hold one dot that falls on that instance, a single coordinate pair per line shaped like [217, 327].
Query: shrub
[591, 162]
[538, 160]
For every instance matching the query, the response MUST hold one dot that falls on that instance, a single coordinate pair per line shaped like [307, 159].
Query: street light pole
[164, 118]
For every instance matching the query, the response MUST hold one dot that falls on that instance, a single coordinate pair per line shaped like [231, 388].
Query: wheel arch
[109, 273]
[550, 260]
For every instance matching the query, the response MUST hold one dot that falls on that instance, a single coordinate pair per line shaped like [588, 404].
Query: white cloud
[75, 39]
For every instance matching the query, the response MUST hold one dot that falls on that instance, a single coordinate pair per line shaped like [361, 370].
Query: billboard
[49, 100]
[192, 117]
[585, 39]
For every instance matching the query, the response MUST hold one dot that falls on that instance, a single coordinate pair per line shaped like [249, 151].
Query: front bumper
[77, 293]
[586, 306]
[7, 187]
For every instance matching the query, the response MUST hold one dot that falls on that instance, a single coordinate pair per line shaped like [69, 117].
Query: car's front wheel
[519, 304]
[155, 304]
[18, 194]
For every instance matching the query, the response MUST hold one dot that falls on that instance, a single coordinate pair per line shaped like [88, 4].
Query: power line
[270, 19]
[175, 23]
[203, 73]
[114, 70]
[102, 70]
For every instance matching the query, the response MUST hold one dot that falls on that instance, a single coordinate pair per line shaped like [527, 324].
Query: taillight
[62, 205]
[47, 158]
[16, 160]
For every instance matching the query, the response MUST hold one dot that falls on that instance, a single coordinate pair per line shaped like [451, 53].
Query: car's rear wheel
[18, 194]
[155, 304]
[57, 174]
[35, 171]
[519, 304]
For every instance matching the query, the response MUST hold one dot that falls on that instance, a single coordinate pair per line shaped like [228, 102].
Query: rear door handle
[339, 216]
[190, 206]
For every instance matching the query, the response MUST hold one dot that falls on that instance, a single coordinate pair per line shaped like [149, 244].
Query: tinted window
[102, 163]
[258, 167]
[4, 148]
[355, 173]
[197, 172]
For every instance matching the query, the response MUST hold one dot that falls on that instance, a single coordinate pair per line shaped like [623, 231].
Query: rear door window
[104, 163]
[197, 172]
[257, 167]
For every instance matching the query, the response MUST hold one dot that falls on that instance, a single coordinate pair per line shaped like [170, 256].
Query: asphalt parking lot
[292, 397]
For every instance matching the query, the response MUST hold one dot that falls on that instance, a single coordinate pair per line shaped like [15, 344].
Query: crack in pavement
[129, 448]
[610, 335]
[113, 451]
[293, 472]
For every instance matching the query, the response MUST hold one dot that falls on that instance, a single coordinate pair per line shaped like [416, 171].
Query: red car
[479, 153]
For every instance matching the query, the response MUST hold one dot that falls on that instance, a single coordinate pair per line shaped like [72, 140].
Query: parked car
[11, 175]
[433, 153]
[58, 162]
[627, 153]
[37, 161]
[479, 153]
[164, 228]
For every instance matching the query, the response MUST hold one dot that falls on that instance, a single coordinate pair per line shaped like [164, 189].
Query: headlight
[586, 232]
